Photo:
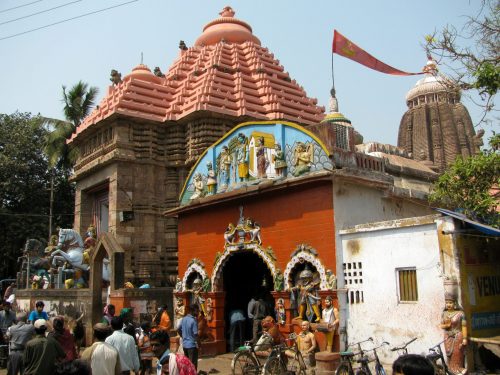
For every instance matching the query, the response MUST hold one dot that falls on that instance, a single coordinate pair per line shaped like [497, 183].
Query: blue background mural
[252, 152]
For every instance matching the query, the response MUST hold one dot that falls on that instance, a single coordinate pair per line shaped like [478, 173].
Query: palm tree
[78, 102]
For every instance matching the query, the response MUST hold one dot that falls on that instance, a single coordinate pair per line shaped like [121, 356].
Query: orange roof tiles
[234, 75]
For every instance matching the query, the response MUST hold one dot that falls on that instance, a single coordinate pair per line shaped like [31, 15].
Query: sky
[35, 65]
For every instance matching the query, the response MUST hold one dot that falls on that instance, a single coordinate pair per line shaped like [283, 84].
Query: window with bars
[407, 282]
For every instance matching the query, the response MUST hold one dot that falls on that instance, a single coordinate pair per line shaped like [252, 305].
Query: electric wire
[20, 6]
[42, 11]
[68, 19]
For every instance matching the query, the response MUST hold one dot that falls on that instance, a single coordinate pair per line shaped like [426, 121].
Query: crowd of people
[42, 346]
[38, 345]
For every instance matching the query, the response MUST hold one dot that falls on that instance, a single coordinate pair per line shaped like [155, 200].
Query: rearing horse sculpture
[69, 249]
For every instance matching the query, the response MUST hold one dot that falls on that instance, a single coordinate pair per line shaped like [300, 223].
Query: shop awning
[483, 228]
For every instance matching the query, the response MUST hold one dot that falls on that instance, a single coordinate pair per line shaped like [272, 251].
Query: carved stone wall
[436, 133]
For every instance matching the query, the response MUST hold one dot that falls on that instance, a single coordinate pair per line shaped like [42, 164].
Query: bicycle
[437, 359]
[346, 359]
[285, 359]
[379, 369]
[403, 349]
[246, 361]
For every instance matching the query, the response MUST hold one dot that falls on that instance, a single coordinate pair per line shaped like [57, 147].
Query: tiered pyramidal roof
[227, 71]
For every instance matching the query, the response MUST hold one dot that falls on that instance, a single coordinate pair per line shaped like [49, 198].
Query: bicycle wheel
[244, 363]
[363, 372]
[273, 366]
[379, 370]
[296, 364]
[343, 369]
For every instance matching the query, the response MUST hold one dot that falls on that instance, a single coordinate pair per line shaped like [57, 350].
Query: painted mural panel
[252, 152]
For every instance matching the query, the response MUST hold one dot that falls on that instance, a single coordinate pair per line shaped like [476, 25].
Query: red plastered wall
[289, 217]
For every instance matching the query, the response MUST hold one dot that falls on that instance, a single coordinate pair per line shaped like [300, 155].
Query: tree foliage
[472, 52]
[78, 102]
[468, 184]
[24, 188]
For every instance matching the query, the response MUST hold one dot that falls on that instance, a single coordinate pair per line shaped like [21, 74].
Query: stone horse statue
[70, 249]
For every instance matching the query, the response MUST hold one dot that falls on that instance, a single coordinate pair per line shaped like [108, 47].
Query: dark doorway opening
[245, 275]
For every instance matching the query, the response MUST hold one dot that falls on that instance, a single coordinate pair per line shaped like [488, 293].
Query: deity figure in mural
[329, 322]
[303, 158]
[331, 280]
[198, 186]
[279, 281]
[179, 312]
[196, 297]
[242, 157]
[455, 334]
[279, 160]
[305, 294]
[262, 161]
[224, 168]
[280, 311]
[211, 179]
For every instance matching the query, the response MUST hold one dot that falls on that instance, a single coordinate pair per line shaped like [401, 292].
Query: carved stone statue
[279, 160]
[198, 186]
[182, 45]
[329, 322]
[307, 296]
[331, 280]
[229, 234]
[455, 334]
[196, 297]
[211, 179]
[178, 285]
[253, 229]
[303, 157]
[242, 157]
[280, 311]
[52, 245]
[279, 281]
[179, 312]
[209, 308]
[116, 77]
[157, 72]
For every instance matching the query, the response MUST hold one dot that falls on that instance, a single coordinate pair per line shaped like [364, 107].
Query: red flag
[344, 47]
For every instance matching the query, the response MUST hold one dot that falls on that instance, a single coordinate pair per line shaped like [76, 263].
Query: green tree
[472, 52]
[24, 188]
[78, 102]
[467, 185]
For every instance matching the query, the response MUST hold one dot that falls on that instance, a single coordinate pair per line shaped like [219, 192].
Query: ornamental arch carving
[195, 267]
[305, 254]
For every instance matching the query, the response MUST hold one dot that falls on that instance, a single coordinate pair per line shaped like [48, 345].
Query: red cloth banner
[344, 47]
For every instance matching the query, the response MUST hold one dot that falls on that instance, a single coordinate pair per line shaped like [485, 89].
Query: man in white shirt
[101, 356]
[125, 344]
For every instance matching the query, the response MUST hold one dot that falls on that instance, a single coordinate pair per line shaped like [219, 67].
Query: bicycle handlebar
[404, 346]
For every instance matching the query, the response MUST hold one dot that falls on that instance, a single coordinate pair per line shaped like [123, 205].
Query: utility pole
[51, 201]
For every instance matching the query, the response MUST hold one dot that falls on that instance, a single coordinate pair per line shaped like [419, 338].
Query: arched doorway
[245, 275]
